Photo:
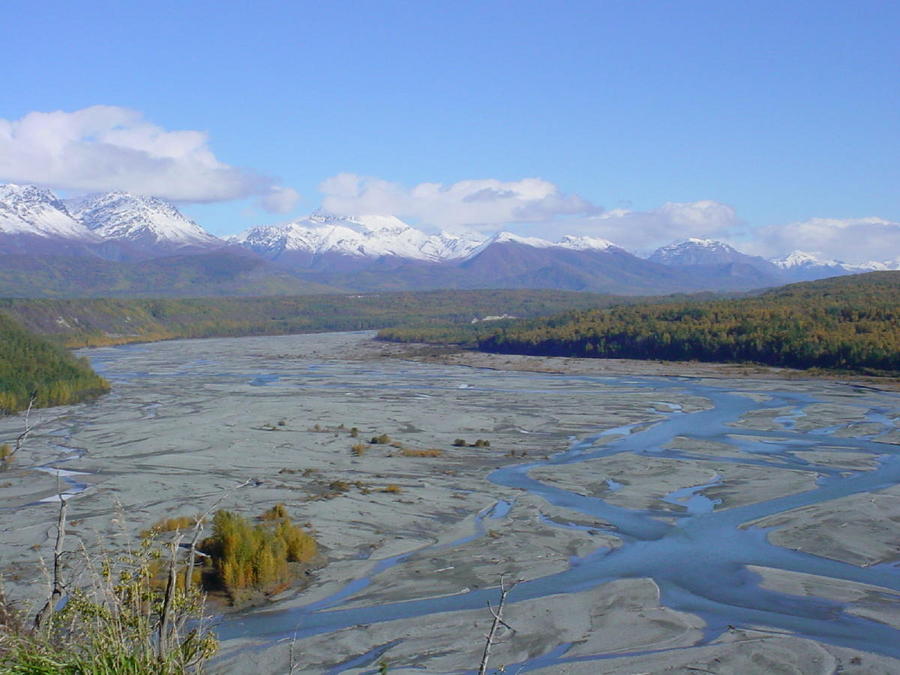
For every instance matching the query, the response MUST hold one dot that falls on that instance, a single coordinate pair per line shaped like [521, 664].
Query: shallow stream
[695, 546]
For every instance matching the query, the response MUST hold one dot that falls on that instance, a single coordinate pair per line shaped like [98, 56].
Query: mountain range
[123, 244]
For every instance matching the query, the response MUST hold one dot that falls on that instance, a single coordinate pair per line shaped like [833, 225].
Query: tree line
[848, 322]
[841, 323]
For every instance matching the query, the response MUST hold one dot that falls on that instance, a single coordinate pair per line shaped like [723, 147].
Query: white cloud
[104, 148]
[646, 230]
[279, 200]
[851, 240]
[483, 204]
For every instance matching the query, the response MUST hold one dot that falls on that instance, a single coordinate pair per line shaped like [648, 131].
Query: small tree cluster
[247, 555]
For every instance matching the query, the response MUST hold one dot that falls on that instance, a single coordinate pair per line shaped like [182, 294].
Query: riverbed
[647, 523]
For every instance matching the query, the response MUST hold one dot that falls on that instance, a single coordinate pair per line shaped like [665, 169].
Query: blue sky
[778, 113]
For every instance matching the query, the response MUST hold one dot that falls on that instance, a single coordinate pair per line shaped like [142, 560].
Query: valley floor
[658, 517]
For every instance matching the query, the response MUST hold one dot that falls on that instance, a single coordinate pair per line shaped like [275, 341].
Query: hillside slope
[844, 322]
[30, 366]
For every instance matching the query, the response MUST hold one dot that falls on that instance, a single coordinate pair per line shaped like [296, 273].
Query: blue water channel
[697, 555]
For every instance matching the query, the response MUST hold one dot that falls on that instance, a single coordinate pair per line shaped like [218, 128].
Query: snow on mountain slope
[359, 236]
[585, 243]
[805, 261]
[30, 210]
[120, 216]
[696, 252]
[802, 259]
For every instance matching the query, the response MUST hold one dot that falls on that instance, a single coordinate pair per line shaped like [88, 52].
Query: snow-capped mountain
[805, 266]
[586, 243]
[313, 237]
[34, 211]
[568, 241]
[703, 252]
[368, 236]
[120, 216]
[366, 252]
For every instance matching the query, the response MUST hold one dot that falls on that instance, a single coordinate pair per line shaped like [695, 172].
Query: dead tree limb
[165, 614]
[21, 438]
[56, 591]
[491, 637]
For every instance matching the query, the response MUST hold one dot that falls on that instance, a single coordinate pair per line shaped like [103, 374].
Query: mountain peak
[582, 243]
[696, 251]
[36, 211]
[122, 216]
[361, 236]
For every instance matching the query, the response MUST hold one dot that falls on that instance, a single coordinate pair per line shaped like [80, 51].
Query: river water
[700, 560]
[699, 551]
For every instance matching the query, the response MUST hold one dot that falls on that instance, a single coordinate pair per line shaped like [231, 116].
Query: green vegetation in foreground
[135, 613]
[111, 624]
[30, 366]
[97, 322]
[846, 323]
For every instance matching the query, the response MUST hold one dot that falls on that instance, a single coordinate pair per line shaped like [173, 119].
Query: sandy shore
[187, 421]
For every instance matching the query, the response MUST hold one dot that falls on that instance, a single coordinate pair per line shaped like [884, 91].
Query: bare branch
[491, 637]
[165, 619]
[198, 530]
[21, 438]
[57, 590]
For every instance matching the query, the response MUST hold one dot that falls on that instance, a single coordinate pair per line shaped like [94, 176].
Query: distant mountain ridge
[353, 253]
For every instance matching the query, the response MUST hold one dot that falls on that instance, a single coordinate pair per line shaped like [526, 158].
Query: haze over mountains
[123, 244]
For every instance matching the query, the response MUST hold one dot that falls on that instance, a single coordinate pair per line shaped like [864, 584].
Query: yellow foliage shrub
[246, 555]
[430, 452]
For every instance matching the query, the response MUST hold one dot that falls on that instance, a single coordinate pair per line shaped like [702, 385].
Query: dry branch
[491, 637]
[57, 588]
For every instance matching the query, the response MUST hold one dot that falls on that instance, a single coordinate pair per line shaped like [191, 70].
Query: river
[771, 467]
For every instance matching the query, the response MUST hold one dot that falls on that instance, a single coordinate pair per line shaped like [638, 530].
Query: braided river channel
[690, 523]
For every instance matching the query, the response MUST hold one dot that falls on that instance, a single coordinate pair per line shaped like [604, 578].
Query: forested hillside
[30, 366]
[95, 322]
[843, 322]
